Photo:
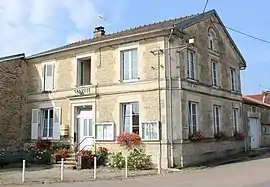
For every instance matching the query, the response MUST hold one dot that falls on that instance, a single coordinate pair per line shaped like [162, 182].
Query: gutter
[94, 43]
[170, 98]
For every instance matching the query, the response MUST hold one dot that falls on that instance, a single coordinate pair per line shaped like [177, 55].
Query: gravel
[45, 174]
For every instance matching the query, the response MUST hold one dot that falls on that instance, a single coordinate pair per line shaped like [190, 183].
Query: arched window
[212, 40]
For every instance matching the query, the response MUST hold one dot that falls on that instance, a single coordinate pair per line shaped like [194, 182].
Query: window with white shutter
[48, 77]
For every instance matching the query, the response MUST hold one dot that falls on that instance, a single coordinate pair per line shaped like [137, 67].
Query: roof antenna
[100, 16]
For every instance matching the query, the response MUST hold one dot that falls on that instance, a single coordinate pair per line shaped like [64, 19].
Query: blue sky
[35, 25]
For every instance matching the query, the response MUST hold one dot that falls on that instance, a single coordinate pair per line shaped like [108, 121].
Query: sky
[35, 25]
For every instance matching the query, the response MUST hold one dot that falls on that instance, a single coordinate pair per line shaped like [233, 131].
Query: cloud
[35, 25]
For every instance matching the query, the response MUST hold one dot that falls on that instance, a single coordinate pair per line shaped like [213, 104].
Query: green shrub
[116, 160]
[136, 160]
[139, 160]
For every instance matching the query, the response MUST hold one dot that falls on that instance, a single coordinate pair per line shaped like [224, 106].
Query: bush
[62, 153]
[60, 146]
[129, 140]
[102, 155]
[116, 160]
[136, 160]
[39, 156]
[196, 136]
[139, 160]
[43, 144]
[220, 136]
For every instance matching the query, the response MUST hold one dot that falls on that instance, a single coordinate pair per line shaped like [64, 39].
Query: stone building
[13, 94]
[256, 117]
[164, 80]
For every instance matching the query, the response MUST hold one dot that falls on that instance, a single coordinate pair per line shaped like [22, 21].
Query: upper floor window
[192, 117]
[233, 79]
[191, 65]
[47, 78]
[215, 73]
[84, 72]
[212, 40]
[129, 60]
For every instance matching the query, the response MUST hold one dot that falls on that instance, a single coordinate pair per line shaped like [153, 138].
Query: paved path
[254, 173]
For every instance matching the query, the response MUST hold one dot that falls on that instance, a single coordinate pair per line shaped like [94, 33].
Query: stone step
[66, 166]
[70, 159]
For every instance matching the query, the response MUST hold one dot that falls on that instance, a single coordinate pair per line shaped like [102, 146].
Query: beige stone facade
[13, 98]
[63, 98]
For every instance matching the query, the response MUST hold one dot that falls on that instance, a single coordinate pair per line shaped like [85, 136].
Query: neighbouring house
[256, 116]
[13, 94]
[167, 80]
[263, 97]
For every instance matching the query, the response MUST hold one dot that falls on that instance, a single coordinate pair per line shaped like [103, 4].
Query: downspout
[159, 110]
[170, 98]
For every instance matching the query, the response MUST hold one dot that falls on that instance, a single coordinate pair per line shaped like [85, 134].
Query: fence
[95, 173]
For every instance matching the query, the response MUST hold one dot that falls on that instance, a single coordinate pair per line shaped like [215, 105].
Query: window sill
[83, 86]
[216, 86]
[130, 80]
[46, 92]
[192, 80]
[100, 140]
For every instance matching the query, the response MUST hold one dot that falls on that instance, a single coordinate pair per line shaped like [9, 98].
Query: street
[253, 173]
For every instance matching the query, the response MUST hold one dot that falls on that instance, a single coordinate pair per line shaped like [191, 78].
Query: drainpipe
[170, 98]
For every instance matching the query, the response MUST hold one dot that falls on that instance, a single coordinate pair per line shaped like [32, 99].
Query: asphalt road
[246, 174]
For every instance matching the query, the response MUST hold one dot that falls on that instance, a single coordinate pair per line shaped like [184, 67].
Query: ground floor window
[192, 116]
[216, 118]
[130, 117]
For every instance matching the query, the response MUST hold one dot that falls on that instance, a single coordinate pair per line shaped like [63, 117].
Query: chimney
[264, 96]
[99, 31]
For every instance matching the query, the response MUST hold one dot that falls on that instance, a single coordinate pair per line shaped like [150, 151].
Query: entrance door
[254, 132]
[85, 130]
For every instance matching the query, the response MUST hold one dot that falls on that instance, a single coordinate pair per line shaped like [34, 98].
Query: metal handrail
[76, 148]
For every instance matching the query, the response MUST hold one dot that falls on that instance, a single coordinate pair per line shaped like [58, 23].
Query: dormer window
[212, 40]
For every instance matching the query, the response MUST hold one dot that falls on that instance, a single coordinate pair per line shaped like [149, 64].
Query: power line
[248, 35]
[205, 5]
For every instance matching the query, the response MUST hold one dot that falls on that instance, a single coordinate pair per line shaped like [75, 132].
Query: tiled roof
[258, 97]
[252, 100]
[136, 30]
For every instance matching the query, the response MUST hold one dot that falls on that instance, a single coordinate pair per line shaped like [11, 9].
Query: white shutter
[49, 77]
[42, 78]
[56, 123]
[34, 124]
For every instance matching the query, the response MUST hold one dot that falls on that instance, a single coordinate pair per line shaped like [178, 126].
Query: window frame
[190, 119]
[157, 123]
[130, 64]
[104, 124]
[215, 117]
[235, 119]
[233, 83]
[191, 64]
[80, 75]
[42, 126]
[130, 115]
[215, 72]
[44, 75]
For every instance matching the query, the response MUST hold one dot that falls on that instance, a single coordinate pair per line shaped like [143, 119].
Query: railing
[76, 149]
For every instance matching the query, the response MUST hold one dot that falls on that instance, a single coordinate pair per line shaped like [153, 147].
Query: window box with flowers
[129, 140]
[196, 136]
[87, 157]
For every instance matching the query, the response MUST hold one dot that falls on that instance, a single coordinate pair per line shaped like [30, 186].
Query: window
[191, 65]
[46, 123]
[235, 119]
[130, 112]
[104, 131]
[216, 119]
[84, 72]
[232, 79]
[192, 117]
[129, 59]
[47, 77]
[150, 130]
[215, 74]
[211, 41]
